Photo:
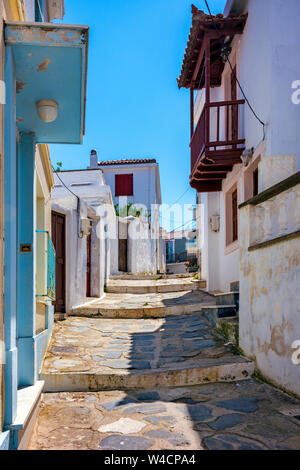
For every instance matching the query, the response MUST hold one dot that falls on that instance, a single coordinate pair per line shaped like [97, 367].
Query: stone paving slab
[229, 416]
[92, 354]
[155, 305]
[126, 286]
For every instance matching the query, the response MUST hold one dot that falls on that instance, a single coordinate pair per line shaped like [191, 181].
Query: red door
[59, 241]
[88, 265]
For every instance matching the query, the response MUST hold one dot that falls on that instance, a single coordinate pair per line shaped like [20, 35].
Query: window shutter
[124, 185]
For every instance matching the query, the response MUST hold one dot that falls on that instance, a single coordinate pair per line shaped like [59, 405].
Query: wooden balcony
[216, 145]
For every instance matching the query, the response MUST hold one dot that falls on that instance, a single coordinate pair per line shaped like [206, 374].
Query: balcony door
[234, 108]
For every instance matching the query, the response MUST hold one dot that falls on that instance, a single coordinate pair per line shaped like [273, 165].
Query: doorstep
[28, 401]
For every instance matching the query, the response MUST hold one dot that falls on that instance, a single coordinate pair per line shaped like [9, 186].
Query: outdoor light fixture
[246, 156]
[47, 110]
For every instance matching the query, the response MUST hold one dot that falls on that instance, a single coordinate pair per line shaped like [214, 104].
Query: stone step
[145, 277]
[150, 286]
[88, 354]
[151, 305]
[209, 372]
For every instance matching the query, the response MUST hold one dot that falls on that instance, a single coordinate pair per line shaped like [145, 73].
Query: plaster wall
[145, 189]
[76, 251]
[141, 248]
[266, 68]
[95, 203]
[269, 306]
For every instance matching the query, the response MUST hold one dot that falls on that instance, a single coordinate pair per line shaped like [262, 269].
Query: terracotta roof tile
[127, 162]
[202, 22]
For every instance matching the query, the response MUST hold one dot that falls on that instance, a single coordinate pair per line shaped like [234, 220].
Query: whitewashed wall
[95, 203]
[266, 67]
[146, 184]
[269, 287]
[141, 248]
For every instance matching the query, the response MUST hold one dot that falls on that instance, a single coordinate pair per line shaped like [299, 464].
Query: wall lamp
[246, 156]
[47, 110]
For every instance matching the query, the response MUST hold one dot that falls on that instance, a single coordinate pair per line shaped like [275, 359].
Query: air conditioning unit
[214, 222]
[86, 226]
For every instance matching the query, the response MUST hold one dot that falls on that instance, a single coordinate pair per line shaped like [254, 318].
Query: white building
[85, 257]
[135, 186]
[243, 166]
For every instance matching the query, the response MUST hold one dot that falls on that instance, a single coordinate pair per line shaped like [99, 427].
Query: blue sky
[134, 107]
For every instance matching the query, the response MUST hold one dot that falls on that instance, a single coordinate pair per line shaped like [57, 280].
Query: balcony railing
[46, 268]
[218, 131]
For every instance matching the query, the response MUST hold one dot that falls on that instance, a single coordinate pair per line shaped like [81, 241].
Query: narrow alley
[149, 228]
[151, 371]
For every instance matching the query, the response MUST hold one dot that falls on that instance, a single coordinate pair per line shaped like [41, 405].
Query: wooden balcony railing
[217, 130]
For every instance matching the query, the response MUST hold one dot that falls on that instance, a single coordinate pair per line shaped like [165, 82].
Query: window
[255, 182]
[124, 185]
[234, 216]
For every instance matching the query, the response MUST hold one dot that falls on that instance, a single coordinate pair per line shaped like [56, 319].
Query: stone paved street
[156, 382]
[244, 415]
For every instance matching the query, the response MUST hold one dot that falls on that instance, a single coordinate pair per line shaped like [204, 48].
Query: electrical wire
[177, 200]
[234, 74]
[186, 223]
[56, 172]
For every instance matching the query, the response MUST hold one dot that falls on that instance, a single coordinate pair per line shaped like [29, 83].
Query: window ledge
[232, 247]
[27, 399]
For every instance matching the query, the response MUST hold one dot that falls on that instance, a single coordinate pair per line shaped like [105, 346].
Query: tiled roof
[127, 162]
[201, 24]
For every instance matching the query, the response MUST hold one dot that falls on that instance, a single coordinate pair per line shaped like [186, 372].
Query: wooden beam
[213, 168]
[228, 31]
[209, 175]
[199, 61]
[207, 186]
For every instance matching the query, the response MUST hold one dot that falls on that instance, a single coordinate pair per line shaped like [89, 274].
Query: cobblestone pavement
[104, 345]
[247, 415]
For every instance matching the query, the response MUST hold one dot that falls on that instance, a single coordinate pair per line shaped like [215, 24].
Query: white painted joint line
[2, 92]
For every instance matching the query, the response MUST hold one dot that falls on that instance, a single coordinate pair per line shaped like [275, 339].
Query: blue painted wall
[10, 252]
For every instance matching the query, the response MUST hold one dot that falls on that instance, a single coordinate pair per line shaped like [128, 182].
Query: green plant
[127, 210]
[59, 166]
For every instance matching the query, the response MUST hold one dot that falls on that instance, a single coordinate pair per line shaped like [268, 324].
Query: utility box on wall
[86, 226]
[214, 222]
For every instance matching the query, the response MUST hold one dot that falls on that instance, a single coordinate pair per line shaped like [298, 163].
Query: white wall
[145, 189]
[142, 256]
[95, 203]
[269, 286]
[266, 67]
